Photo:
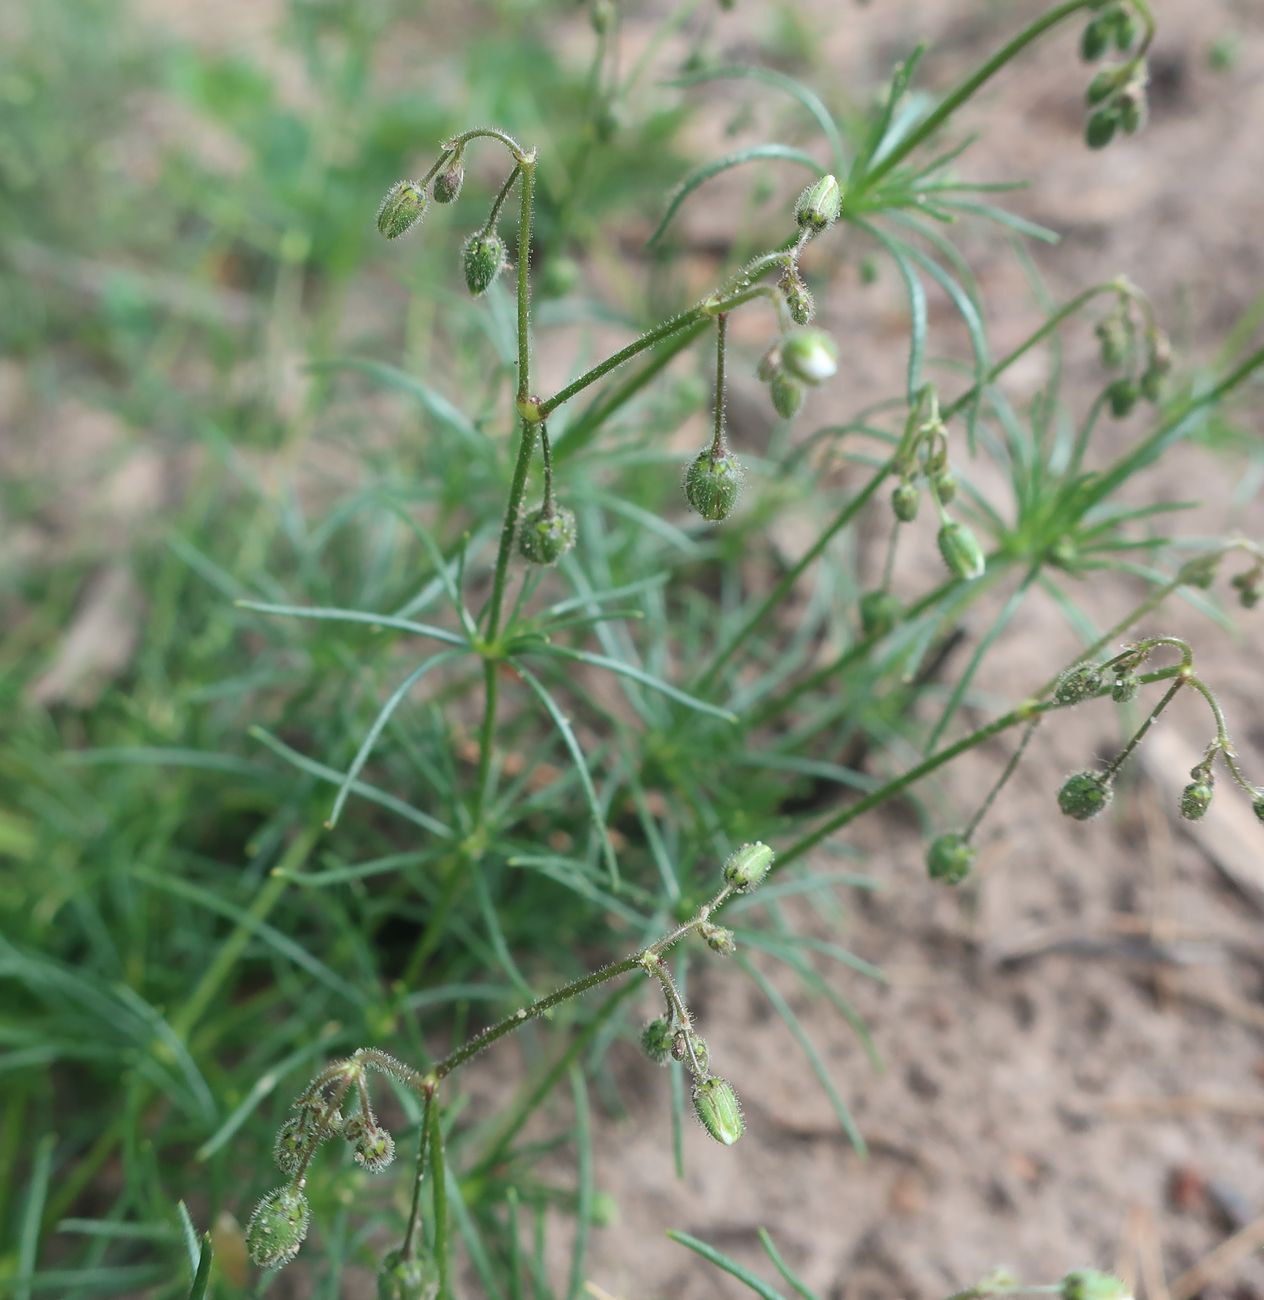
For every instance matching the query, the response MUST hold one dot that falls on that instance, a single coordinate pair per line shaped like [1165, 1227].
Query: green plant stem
[1023, 713]
[527, 167]
[717, 438]
[486, 737]
[490, 133]
[440, 1194]
[414, 1212]
[1010, 768]
[1169, 695]
[490, 224]
[964, 90]
[1223, 743]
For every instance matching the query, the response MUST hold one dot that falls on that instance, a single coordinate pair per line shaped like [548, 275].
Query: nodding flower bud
[482, 258]
[944, 485]
[769, 365]
[1247, 585]
[374, 1148]
[414, 1278]
[656, 1040]
[682, 1041]
[1122, 396]
[1112, 338]
[798, 297]
[447, 185]
[713, 482]
[950, 858]
[786, 394]
[1103, 85]
[961, 551]
[1133, 108]
[403, 206]
[546, 535]
[1088, 1284]
[718, 938]
[880, 611]
[810, 355]
[1125, 29]
[1084, 795]
[1196, 798]
[291, 1144]
[277, 1227]
[1078, 684]
[717, 1108]
[1096, 37]
[904, 500]
[601, 15]
[747, 866]
[819, 205]
[1125, 688]
[1099, 131]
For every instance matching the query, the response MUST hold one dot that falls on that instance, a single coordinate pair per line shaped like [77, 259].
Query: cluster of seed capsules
[672, 1037]
[1117, 93]
[280, 1221]
[1138, 347]
[803, 357]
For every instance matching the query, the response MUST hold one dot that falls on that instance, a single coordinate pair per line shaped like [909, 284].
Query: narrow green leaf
[202, 1276]
[917, 303]
[329, 615]
[704, 173]
[730, 1266]
[582, 1133]
[780, 1265]
[32, 1213]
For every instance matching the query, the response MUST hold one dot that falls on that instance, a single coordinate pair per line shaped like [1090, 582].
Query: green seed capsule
[880, 611]
[1196, 799]
[1088, 1284]
[291, 1145]
[718, 938]
[1257, 806]
[1112, 338]
[407, 1279]
[1125, 688]
[1133, 109]
[374, 1149]
[277, 1227]
[798, 298]
[1103, 85]
[786, 394]
[961, 552]
[950, 858]
[809, 354]
[1125, 30]
[447, 185]
[682, 1041]
[944, 485]
[545, 538]
[1077, 684]
[1084, 795]
[819, 205]
[1122, 396]
[656, 1040]
[747, 866]
[482, 257]
[904, 500]
[403, 206]
[769, 365]
[1100, 129]
[716, 1106]
[713, 482]
[1095, 38]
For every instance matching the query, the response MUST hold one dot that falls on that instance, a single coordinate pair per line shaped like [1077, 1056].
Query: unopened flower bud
[1122, 396]
[1196, 799]
[1112, 338]
[545, 536]
[447, 185]
[716, 1106]
[798, 297]
[769, 365]
[1084, 795]
[1257, 806]
[786, 394]
[414, 1278]
[1100, 128]
[374, 1149]
[950, 858]
[1095, 38]
[1125, 29]
[656, 1040]
[1247, 585]
[713, 482]
[809, 354]
[880, 611]
[718, 938]
[403, 206]
[1088, 1284]
[1078, 684]
[1103, 85]
[904, 499]
[601, 15]
[819, 205]
[277, 1227]
[747, 866]
[1133, 108]
[1125, 688]
[482, 258]
[961, 551]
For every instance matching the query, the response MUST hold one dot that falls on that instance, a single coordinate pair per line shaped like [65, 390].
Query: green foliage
[365, 778]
